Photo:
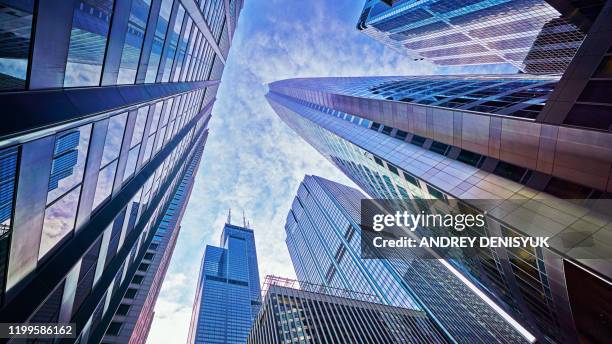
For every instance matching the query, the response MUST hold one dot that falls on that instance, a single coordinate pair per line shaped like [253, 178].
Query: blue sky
[253, 161]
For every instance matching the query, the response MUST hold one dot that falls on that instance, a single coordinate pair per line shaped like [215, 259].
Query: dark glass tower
[324, 242]
[457, 138]
[228, 295]
[535, 36]
[107, 105]
[310, 313]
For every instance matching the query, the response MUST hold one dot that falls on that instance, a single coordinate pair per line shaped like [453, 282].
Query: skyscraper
[109, 103]
[228, 295]
[535, 36]
[461, 138]
[324, 242]
[132, 320]
[310, 313]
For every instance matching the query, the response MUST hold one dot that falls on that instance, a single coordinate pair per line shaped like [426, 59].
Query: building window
[123, 309]
[114, 328]
[67, 170]
[134, 37]
[90, 27]
[137, 279]
[131, 293]
[15, 33]
[110, 158]
[158, 40]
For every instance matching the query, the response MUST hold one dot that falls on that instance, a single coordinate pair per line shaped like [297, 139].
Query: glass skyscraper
[324, 242]
[310, 313]
[107, 106]
[398, 140]
[535, 36]
[228, 295]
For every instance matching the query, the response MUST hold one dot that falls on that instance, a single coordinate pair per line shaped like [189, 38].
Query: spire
[244, 221]
[229, 217]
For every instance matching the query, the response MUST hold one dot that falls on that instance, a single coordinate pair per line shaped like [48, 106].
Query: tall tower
[535, 36]
[464, 138]
[228, 296]
[107, 105]
[324, 239]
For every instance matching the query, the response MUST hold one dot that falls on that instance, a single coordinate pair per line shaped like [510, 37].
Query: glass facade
[228, 296]
[531, 35]
[320, 314]
[324, 241]
[16, 31]
[412, 151]
[134, 315]
[94, 180]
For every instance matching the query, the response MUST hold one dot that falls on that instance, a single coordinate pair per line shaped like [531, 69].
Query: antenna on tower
[229, 216]
[244, 221]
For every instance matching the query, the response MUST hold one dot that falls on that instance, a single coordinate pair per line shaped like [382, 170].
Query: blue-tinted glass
[8, 168]
[174, 38]
[59, 221]
[130, 166]
[68, 163]
[90, 26]
[182, 50]
[134, 37]
[158, 40]
[15, 31]
[148, 148]
[114, 137]
[105, 183]
[139, 127]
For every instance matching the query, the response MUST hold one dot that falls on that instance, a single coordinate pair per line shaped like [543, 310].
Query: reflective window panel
[90, 27]
[15, 32]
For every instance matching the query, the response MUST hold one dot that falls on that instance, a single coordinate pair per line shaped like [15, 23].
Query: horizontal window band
[46, 108]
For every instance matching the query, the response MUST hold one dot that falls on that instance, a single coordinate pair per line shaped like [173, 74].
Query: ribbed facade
[228, 296]
[324, 242]
[396, 149]
[109, 104]
[318, 314]
[535, 36]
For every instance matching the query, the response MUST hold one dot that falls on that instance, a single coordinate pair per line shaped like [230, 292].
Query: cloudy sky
[253, 162]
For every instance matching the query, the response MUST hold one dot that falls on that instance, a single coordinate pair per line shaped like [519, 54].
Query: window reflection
[114, 136]
[110, 157]
[59, 221]
[134, 38]
[137, 136]
[174, 37]
[182, 50]
[105, 183]
[139, 127]
[68, 164]
[90, 27]
[158, 40]
[15, 32]
[8, 169]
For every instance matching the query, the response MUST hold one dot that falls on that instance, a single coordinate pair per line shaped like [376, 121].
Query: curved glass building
[535, 36]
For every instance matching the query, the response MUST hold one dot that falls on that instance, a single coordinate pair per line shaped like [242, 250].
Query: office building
[310, 313]
[535, 36]
[456, 147]
[324, 239]
[228, 296]
[109, 104]
[132, 320]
